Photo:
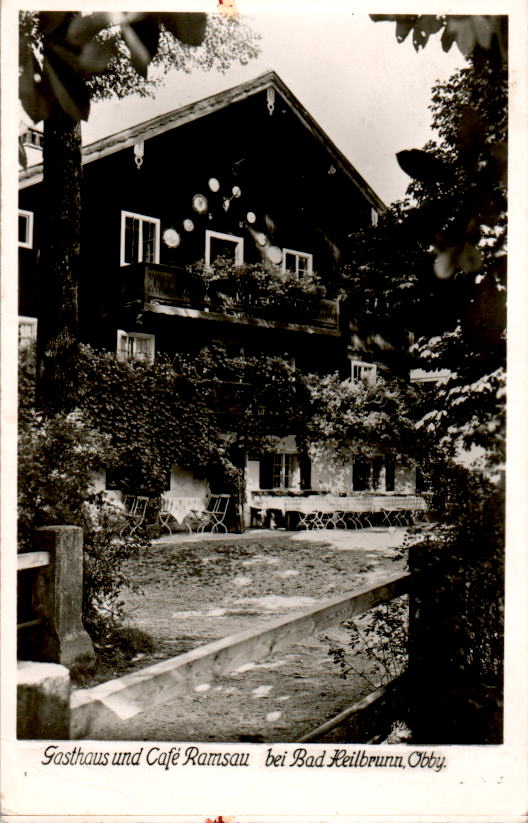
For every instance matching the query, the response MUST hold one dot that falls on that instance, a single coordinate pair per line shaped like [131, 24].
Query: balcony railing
[166, 285]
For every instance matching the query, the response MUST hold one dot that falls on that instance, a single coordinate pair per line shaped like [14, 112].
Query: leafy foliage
[439, 258]
[153, 416]
[468, 31]
[171, 411]
[463, 178]
[67, 58]
[361, 419]
[381, 636]
[57, 459]
[257, 286]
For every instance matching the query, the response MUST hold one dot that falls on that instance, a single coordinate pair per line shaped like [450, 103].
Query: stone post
[43, 701]
[59, 593]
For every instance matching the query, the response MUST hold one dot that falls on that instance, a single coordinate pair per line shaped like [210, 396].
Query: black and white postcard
[263, 497]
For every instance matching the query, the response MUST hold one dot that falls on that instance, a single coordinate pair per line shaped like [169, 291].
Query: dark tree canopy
[70, 58]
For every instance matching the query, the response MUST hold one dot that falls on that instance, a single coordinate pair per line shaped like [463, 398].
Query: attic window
[362, 371]
[140, 238]
[297, 262]
[25, 229]
[223, 245]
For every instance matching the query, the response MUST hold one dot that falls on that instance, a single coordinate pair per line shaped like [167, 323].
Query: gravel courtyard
[199, 588]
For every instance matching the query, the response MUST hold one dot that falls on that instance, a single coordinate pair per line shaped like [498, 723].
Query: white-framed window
[140, 238]
[25, 229]
[362, 371]
[33, 138]
[297, 262]
[223, 245]
[283, 470]
[135, 346]
[430, 376]
[27, 331]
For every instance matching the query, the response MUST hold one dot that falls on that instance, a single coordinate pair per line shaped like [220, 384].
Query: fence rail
[93, 709]
[456, 706]
[32, 560]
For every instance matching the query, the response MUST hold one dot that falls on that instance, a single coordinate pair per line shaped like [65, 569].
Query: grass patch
[123, 645]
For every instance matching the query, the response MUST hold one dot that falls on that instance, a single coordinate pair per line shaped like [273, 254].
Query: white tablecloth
[180, 507]
[333, 502]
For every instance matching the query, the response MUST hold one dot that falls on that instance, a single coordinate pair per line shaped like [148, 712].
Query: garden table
[320, 511]
[177, 508]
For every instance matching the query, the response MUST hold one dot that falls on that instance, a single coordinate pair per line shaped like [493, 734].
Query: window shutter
[390, 468]
[266, 472]
[305, 466]
[360, 475]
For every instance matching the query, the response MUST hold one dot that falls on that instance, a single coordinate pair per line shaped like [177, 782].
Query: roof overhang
[194, 111]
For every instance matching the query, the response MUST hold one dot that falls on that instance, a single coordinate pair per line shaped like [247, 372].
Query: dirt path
[195, 591]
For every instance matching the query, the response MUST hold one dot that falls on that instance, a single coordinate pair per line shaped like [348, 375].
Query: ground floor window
[373, 474]
[278, 471]
[283, 468]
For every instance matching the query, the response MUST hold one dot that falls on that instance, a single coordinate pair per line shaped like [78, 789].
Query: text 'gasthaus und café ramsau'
[168, 757]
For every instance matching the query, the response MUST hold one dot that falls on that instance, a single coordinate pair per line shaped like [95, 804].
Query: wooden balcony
[168, 290]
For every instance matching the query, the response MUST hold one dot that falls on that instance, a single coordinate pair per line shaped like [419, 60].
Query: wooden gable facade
[246, 174]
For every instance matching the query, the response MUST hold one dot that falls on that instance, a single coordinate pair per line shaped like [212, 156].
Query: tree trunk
[58, 335]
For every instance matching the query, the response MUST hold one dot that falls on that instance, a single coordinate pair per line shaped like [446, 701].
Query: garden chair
[212, 515]
[306, 510]
[135, 511]
[417, 511]
[359, 512]
[165, 514]
[395, 512]
[324, 514]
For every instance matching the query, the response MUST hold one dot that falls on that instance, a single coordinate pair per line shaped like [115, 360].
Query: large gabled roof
[186, 114]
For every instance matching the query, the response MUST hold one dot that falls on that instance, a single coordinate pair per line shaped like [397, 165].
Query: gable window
[362, 371]
[135, 346]
[223, 245]
[297, 262]
[25, 229]
[27, 331]
[140, 239]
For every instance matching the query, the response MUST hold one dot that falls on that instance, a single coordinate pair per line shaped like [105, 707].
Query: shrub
[58, 457]
[380, 635]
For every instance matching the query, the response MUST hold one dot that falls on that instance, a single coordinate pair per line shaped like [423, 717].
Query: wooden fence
[448, 699]
[50, 585]
[93, 709]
